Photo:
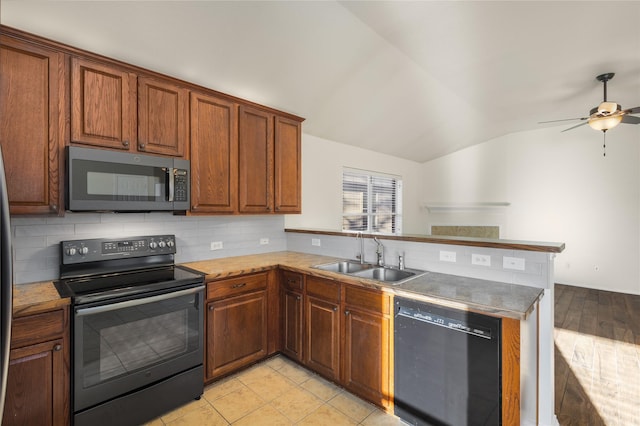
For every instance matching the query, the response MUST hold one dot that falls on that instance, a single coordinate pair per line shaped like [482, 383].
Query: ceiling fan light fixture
[608, 108]
[605, 123]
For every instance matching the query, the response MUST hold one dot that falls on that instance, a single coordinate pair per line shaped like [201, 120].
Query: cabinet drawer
[238, 285]
[292, 281]
[370, 300]
[325, 289]
[37, 328]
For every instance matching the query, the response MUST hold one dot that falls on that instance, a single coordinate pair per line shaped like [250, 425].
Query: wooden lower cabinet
[237, 324]
[292, 308]
[322, 327]
[38, 390]
[367, 346]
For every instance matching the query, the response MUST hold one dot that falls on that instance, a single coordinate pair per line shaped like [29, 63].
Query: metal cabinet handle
[347, 312]
[57, 347]
[125, 144]
[141, 146]
[335, 309]
[211, 308]
[238, 285]
[297, 297]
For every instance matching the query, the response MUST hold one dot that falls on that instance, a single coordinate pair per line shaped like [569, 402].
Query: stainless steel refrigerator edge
[5, 285]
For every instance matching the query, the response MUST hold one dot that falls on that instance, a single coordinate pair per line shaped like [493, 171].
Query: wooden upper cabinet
[103, 102]
[214, 155]
[287, 165]
[32, 125]
[163, 114]
[255, 161]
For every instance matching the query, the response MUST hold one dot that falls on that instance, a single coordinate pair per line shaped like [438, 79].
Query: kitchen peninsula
[282, 277]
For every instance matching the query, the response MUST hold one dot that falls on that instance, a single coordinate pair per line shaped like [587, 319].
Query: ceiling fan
[607, 115]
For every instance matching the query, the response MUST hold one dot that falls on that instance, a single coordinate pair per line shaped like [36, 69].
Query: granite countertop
[36, 297]
[488, 297]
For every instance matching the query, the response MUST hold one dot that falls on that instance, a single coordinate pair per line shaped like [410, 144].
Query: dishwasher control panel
[443, 321]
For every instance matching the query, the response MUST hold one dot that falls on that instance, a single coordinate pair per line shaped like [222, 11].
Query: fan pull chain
[604, 144]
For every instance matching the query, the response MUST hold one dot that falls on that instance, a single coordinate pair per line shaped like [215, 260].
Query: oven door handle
[137, 302]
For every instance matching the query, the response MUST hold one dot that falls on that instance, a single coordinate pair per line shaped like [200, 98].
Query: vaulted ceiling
[416, 80]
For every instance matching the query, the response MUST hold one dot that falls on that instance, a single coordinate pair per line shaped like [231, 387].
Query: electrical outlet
[315, 242]
[264, 241]
[481, 259]
[516, 263]
[448, 256]
[216, 245]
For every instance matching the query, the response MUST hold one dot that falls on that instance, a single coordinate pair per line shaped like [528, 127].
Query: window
[371, 202]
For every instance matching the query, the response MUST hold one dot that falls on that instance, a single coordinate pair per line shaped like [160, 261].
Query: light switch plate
[315, 242]
[448, 256]
[516, 263]
[216, 245]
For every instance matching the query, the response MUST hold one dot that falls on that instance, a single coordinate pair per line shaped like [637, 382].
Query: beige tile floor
[277, 392]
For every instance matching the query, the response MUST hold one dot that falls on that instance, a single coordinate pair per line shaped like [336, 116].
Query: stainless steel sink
[385, 274]
[344, 266]
[366, 270]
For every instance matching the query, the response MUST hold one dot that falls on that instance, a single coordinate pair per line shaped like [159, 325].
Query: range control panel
[97, 249]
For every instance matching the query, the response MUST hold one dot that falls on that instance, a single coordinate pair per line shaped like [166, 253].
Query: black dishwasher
[447, 365]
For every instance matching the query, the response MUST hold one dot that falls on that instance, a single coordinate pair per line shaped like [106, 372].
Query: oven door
[126, 345]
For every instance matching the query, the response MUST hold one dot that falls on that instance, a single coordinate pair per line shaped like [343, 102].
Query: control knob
[153, 245]
[84, 250]
[162, 244]
[71, 251]
[170, 243]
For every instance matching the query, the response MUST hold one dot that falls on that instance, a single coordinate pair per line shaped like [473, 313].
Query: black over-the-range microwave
[101, 180]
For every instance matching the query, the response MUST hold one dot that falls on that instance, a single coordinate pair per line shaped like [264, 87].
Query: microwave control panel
[181, 185]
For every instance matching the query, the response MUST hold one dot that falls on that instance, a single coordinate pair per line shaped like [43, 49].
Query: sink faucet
[361, 255]
[379, 251]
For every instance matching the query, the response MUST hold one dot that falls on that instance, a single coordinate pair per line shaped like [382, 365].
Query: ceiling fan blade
[564, 119]
[571, 128]
[635, 110]
[630, 119]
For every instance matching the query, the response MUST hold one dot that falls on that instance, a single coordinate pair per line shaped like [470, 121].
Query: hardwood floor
[597, 357]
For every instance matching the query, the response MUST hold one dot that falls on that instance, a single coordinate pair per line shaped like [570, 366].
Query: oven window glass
[96, 180]
[121, 342]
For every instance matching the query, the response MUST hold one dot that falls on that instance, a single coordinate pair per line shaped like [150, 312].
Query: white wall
[560, 188]
[322, 164]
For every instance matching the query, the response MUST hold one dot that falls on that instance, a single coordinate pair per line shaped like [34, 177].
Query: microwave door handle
[171, 178]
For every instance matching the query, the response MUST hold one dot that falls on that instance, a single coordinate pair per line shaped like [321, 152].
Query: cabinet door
[322, 349]
[32, 125]
[103, 102]
[236, 332]
[255, 161]
[292, 327]
[366, 355]
[214, 155]
[36, 386]
[287, 149]
[163, 110]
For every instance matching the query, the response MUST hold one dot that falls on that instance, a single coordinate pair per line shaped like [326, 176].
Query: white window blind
[371, 202]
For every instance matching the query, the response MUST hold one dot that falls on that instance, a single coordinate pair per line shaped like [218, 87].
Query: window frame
[370, 212]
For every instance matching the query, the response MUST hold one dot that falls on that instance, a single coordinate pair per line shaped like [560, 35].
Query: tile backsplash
[427, 256]
[36, 240]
